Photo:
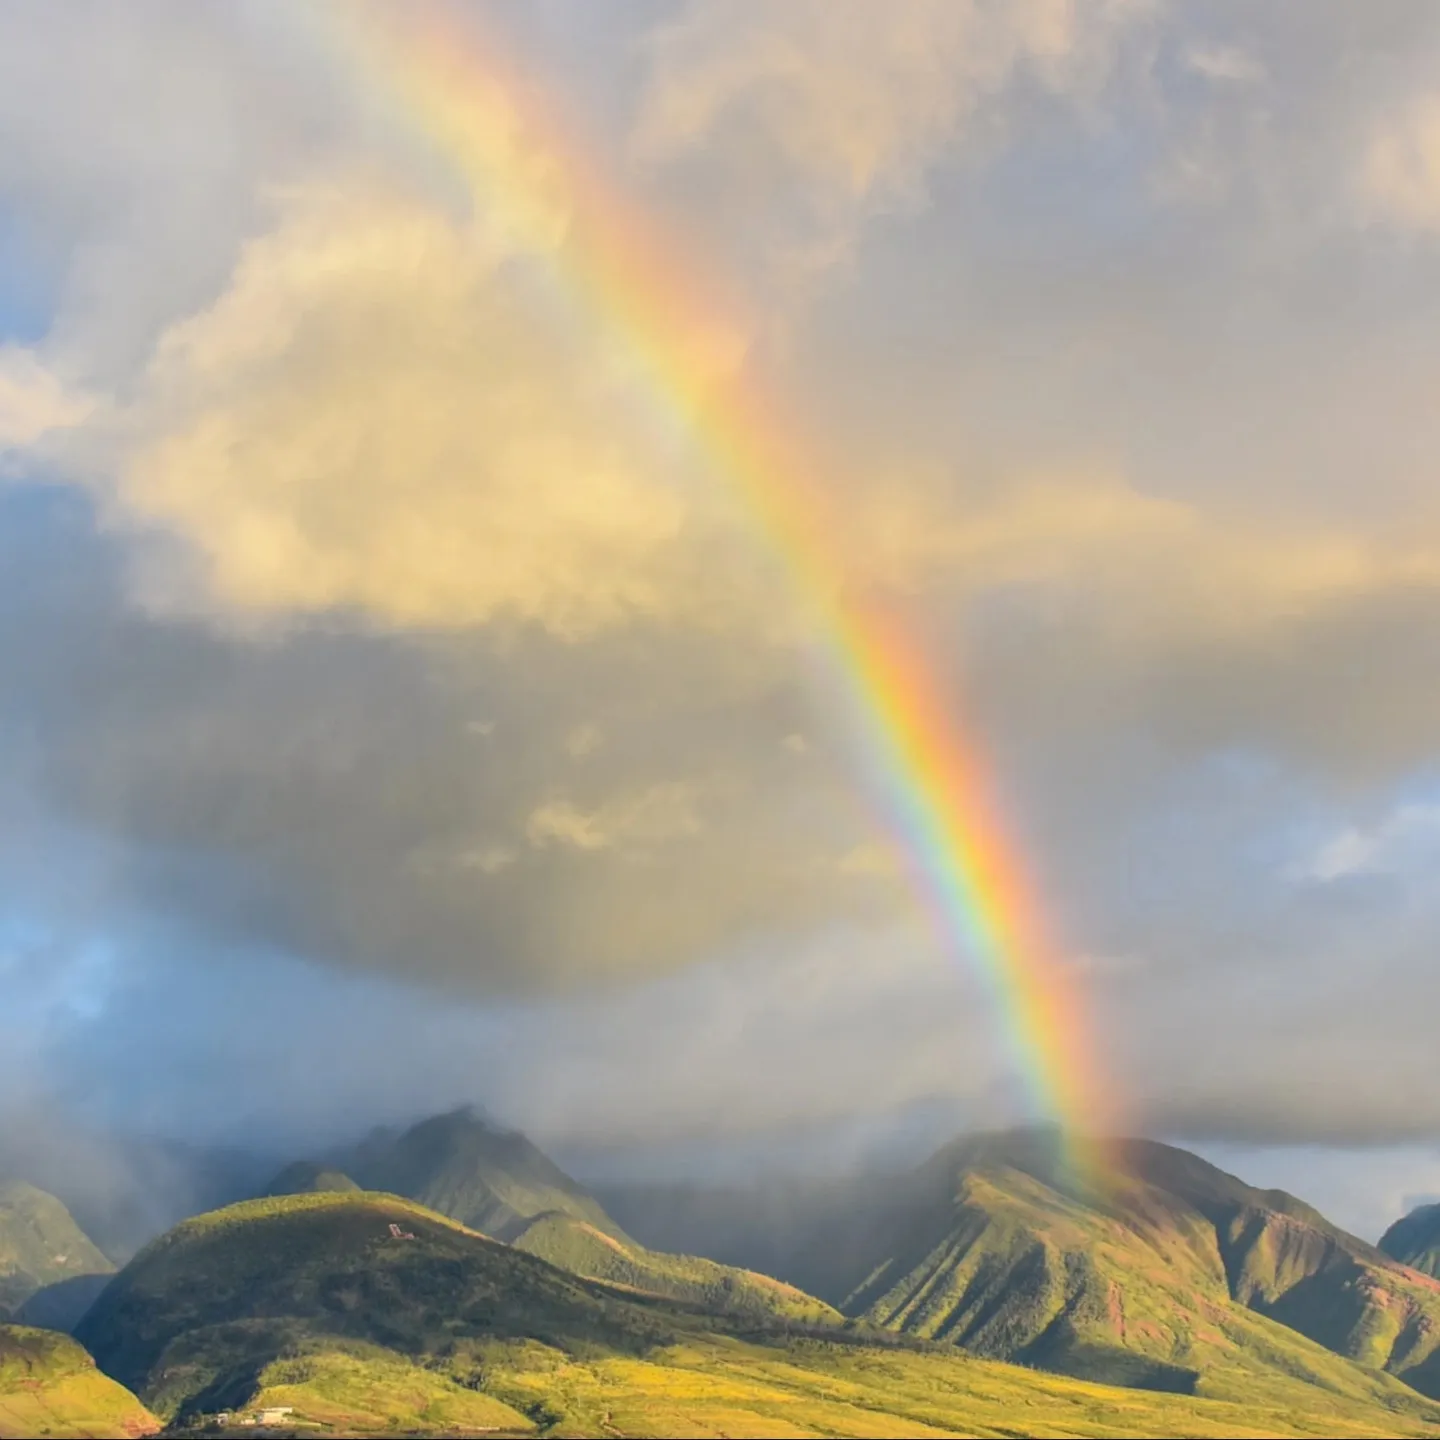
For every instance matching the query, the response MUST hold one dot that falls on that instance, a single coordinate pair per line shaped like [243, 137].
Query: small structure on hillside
[396, 1233]
[253, 1419]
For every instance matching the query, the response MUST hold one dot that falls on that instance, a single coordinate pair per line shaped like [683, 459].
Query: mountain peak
[462, 1164]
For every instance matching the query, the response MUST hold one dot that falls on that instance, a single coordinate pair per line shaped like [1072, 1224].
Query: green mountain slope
[50, 1386]
[492, 1180]
[1285, 1260]
[1415, 1240]
[199, 1312]
[40, 1246]
[310, 1301]
[1175, 1275]
[306, 1177]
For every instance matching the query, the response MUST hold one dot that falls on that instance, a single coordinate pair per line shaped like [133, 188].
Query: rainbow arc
[521, 166]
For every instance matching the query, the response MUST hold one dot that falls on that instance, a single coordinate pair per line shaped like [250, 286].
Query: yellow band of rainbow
[519, 164]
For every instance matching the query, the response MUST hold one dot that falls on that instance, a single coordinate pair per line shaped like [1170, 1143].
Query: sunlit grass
[49, 1386]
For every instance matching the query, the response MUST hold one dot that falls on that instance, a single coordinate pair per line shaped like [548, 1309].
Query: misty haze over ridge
[1118, 338]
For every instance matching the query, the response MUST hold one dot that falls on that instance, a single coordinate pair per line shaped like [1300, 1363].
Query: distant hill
[490, 1179]
[312, 1301]
[1415, 1240]
[307, 1177]
[1178, 1275]
[42, 1248]
[50, 1386]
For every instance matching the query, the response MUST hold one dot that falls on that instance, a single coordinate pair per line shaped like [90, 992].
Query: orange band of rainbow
[521, 166]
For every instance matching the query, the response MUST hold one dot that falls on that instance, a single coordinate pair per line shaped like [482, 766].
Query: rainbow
[521, 166]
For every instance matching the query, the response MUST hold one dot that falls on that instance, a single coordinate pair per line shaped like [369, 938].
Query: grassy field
[49, 1386]
[361, 1388]
[723, 1386]
[726, 1386]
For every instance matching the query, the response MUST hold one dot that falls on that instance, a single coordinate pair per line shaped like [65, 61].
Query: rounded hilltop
[193, 1317]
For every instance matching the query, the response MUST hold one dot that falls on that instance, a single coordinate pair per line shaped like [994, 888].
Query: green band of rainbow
[491, 126]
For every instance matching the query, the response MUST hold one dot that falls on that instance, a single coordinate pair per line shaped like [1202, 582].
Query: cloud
[372, 418]
[1298, 139]
[323, 791]
[758, 1042]
[376, 416]
[134, 150]
[1225, 64]
[390, 643]
[846, 108]
[584, 740]
[1400, 177]
[659, 814]
[34, 400]
[1405, 839]
[1192, 565]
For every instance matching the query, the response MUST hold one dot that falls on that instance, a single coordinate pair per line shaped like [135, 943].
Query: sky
[399, 711]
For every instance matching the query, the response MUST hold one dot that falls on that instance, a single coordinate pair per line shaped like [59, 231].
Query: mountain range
[440, 1272]
[1166, 1272]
